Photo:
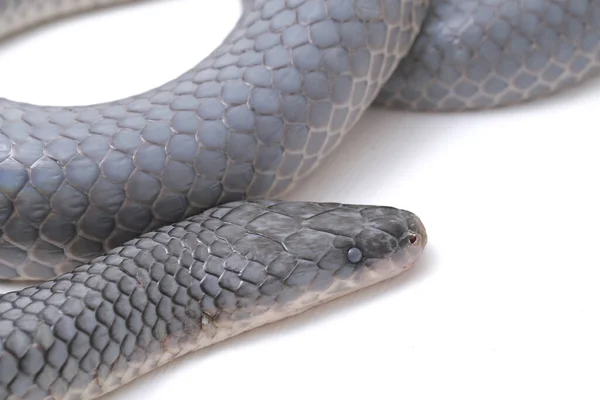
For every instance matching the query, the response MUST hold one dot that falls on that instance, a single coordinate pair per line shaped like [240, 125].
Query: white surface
[505, 301]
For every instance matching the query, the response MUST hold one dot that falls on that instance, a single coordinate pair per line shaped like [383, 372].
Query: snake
[153, 222]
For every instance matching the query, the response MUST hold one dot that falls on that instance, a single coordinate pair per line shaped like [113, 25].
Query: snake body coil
[186, 166]
[256, 115]
[261, 111]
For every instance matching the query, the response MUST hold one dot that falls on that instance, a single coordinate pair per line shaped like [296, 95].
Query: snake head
[314, 252]
[371, 244]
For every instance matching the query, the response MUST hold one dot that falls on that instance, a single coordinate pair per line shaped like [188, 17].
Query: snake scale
[146, 218]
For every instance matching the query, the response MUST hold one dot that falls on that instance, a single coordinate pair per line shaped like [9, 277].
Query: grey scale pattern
[106, 201]
[186, 286]
[478, 54]
[262, 111]
[249, 121]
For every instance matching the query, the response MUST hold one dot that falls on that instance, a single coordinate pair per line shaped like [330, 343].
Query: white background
[504, 304]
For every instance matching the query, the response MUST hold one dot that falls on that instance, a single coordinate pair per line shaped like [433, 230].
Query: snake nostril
[412, 239]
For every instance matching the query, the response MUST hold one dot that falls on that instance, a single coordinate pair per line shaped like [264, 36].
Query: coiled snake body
[246, 123]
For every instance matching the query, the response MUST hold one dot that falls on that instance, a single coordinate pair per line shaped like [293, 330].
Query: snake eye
[354, 255]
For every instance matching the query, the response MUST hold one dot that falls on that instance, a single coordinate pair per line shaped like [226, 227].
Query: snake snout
[413, 243]
[417, 233]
